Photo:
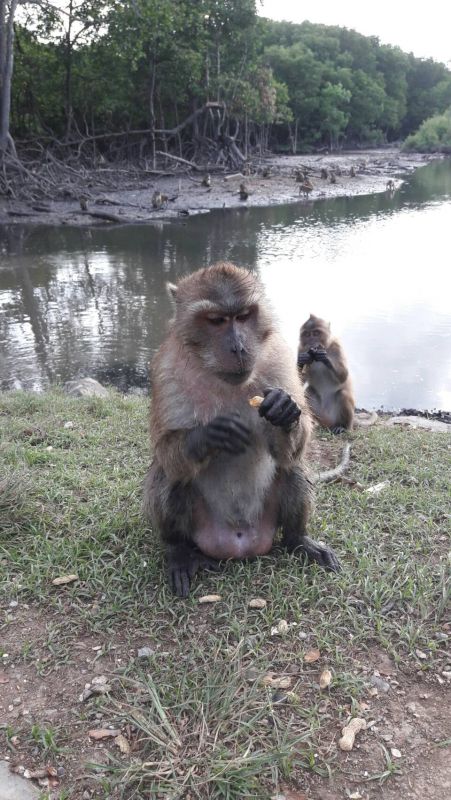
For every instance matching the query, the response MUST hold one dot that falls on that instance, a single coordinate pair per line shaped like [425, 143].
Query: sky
[421, 28]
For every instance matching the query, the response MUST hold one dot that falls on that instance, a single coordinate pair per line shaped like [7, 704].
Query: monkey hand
[304, 358]
[227, 433]
[320, 354]
[279, 409]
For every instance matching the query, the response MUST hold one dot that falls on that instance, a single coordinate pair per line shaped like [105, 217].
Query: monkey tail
[332, 474]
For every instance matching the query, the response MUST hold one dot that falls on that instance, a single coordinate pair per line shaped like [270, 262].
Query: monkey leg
[295, 492]
[170, 508]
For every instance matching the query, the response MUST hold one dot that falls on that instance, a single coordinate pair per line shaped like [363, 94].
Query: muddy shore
[273, 182]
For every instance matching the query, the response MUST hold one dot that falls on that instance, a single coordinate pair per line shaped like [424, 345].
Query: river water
[92, 301]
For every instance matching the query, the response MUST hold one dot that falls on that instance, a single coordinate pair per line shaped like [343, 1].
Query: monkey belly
[218, 539]
[235, 512]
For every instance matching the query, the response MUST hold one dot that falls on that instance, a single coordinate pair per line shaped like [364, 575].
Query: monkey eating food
[226, 476]
[322, 366]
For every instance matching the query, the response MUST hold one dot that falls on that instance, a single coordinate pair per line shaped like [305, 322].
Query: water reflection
[93, 302]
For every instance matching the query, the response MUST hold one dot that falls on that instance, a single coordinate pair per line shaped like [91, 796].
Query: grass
[201, 723]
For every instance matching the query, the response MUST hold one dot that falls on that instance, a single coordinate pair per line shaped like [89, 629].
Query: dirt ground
[406, 738]
[126, 199]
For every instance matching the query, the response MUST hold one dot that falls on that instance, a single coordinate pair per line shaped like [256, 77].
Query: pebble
[17, 701]
[68, 425]
[379, 683]
[145, 652]
[442, 637]
[411, 708]
[420, 654]
[395, 752]
[13, 604]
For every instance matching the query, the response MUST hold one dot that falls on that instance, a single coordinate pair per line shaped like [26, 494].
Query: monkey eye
[216, 320]
[244, 315]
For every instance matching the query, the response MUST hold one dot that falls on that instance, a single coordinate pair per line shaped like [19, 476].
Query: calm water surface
[93, 302]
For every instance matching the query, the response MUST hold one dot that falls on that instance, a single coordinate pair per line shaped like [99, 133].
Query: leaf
[64, 579]
[312, 655]
[122, 744]
[104, 733]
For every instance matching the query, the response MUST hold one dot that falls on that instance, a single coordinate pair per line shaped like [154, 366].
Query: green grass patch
[203, 724]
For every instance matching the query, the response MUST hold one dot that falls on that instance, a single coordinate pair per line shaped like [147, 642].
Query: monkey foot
[183, 562]
[317, 553]
[338, 429]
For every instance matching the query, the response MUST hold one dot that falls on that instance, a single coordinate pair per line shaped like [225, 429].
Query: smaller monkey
[306, 187]
[244, 194]
[83, 200]
[206, 181]
[324, 174]
[322, 366]
[159, 199]
[390, 187]
[352, 173]
[332, 177]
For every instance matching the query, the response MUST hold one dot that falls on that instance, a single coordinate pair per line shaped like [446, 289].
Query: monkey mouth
[236, 377]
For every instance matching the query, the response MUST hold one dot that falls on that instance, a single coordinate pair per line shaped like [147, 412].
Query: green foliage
[433, 135]
[108, 65]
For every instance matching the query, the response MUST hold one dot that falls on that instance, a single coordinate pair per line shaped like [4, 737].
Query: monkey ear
[171, 289]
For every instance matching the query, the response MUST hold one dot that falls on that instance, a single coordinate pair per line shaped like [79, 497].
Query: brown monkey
[306, 187]
[244, 193]
[322, 366]
[226, 476]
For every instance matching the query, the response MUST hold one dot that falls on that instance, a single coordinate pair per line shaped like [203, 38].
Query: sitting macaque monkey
[322, 366]
[229, 426]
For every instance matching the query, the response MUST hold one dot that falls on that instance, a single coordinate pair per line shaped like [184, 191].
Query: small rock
[13, 604]
[420, 654]
[145, 652]
[442, 637]
[68, 425]
[85, 387]
[446, 674]
[17, 701]
[257, 602]
[280, 629]
[395, 752]
[99, 680]
[411, 708]
[387, 737]
[325, 679]
[379, 683]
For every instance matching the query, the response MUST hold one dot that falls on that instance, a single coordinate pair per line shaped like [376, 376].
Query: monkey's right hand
[227, 433]
[304, 358]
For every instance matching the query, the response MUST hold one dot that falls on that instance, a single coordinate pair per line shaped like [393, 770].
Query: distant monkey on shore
[322, 365]
[229, 426]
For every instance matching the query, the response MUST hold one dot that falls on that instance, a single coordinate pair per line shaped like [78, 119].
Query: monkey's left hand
[279, 409]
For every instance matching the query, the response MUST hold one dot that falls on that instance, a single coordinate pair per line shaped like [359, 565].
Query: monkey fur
[322, 365]
[226, 477]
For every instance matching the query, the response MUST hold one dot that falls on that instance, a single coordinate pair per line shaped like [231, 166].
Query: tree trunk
[152, 113]
[68, 76]
[6, 70]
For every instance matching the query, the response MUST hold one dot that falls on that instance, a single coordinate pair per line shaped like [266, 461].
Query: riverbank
[106, 679]
[124, 197]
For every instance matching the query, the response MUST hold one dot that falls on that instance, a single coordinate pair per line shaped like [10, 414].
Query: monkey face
[227, 343]
[315, 333]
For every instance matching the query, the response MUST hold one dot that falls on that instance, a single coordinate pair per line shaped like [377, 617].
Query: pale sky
[421, 28]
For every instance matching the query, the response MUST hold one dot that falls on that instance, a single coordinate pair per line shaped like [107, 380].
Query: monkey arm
[225, 432]
[184, 453]
[334, 362]
[288, 428]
